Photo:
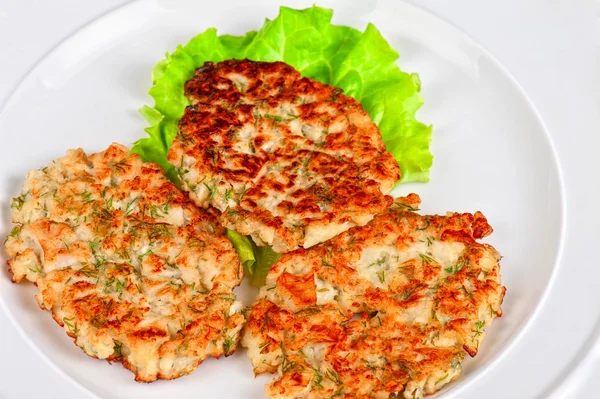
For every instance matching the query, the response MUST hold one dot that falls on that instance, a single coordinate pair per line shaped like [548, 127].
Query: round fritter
[126, 263]
[288, 160]
[383, 310]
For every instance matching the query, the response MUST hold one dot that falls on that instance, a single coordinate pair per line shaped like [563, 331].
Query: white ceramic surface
[491, 154]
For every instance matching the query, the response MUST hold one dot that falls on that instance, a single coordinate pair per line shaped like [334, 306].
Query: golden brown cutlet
[126, 263]
[287, 160]
[385, 309]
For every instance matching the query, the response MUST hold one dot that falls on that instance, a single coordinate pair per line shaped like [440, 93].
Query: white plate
[491, 150]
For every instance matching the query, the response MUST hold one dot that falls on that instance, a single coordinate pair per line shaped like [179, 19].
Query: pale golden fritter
[288, 160]
[126, 263]
[381, 311]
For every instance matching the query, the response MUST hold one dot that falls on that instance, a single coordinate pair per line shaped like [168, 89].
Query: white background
[552, 48]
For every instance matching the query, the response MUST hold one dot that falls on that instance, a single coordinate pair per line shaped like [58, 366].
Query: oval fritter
[381, 310]
[127, 264]
[286, 159]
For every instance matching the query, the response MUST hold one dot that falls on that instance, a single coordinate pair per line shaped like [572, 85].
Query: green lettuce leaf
[361, 63]
[257, 261]
[243, 246]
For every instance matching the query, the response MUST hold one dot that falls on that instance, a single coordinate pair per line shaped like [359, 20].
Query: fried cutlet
[384, 310]
[287, 160]
[126, 263]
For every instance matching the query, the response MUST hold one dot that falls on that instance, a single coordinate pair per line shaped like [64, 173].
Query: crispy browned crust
[126, 263]
[398, 321]
[284, 157]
